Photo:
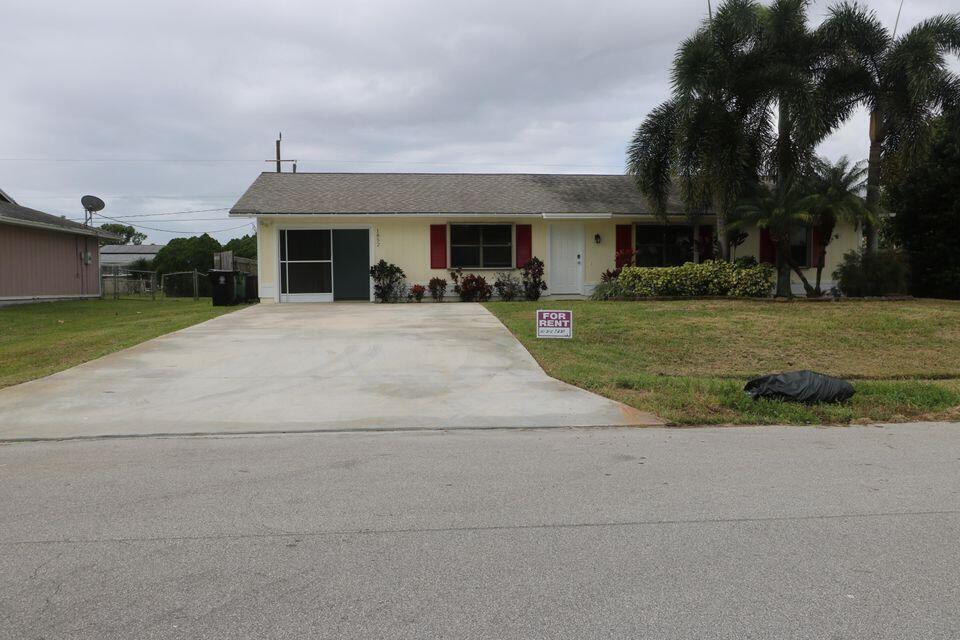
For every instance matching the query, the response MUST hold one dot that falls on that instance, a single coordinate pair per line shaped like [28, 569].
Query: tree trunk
[803, 280]
[696, 243]
[784, 289]
[783, 150]
[722, 235]
[873, 179]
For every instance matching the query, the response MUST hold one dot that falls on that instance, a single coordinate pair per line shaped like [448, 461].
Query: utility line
[139, 226]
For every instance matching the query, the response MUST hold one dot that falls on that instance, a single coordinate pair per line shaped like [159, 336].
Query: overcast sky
[172, 106]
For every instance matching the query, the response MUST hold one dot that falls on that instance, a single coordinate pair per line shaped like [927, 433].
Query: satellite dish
[92, 203]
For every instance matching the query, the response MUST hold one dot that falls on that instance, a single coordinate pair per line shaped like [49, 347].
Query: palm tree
[902, 81]
[780, 209]
[811, 94]
[837, 197]
[711, 134]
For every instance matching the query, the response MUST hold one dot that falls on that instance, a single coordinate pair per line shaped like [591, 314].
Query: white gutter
[577, 216]
[385, 215]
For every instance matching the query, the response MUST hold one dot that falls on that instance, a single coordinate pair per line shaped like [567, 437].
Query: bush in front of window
[389, 282]
[438, 289]
[416, 293]
[470, 287]
[877, 273]
[531, 275]
[710, 278]
[508, 286]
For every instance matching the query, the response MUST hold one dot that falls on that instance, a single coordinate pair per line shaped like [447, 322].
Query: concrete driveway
[275, 368]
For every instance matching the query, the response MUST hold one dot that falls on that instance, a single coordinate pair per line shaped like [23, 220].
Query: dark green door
[351, 264]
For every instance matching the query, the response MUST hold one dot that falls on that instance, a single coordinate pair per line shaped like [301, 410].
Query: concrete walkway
[308, 367]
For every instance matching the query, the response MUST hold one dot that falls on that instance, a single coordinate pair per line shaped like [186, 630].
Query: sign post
[554, 324]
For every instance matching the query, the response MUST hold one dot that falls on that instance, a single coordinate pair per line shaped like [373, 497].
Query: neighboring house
[318, 233]
[121, 255]
[46, 257]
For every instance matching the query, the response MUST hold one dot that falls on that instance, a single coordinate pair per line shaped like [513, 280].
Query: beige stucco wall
[406, 243]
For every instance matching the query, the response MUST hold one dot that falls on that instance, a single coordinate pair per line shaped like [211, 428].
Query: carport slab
[311, 367]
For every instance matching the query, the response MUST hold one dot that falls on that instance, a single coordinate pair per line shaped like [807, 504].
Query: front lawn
[43, 338]
[687, 361]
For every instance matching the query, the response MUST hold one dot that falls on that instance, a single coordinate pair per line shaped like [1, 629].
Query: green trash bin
[223, 288]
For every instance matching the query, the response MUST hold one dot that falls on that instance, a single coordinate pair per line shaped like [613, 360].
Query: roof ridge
[444, 173]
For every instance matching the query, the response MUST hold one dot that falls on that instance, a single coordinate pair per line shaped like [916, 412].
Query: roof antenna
[278, 160]
[91, 204]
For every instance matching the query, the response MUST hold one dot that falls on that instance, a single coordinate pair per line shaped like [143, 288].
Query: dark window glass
[465, 256]
[481, 246]
[283, 277]
[497, 234]
[678, 245]
[464, 234]
[497, 256]
[664, 245]
[308, 245]
[800, 247]
[310, 277]
[283, 245]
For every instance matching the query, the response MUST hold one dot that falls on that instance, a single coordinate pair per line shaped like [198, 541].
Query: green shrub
[531, 275]
[609, 290]
[470, 287]
[389, 282]
[871, 274]
[752, 282]
[438, 289]
[508, 286]
[709, 278]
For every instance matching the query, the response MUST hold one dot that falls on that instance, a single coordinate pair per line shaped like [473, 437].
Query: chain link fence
[136, 284]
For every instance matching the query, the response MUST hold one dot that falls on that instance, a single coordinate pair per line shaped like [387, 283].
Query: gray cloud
[185, 98]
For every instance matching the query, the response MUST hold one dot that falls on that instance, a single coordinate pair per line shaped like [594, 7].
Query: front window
[481, 246]
[800, 247]
[664, 245]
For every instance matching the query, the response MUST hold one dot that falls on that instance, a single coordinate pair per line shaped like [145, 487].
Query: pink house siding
[38, 263]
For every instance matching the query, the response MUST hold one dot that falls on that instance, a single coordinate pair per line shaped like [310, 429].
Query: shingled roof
[442, 193]
[12, 213]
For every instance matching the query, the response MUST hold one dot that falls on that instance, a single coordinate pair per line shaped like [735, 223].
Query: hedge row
[710, 278]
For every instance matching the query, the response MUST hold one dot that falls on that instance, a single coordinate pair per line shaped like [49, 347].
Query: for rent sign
[554, 324]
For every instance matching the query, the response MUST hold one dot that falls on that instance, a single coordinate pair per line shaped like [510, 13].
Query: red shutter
[816, 246]
[524, 244]
[768, 252]
[438, 246]
[624, 240]
[706, 242]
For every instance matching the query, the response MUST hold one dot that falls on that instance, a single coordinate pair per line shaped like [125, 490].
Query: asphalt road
[594, 533]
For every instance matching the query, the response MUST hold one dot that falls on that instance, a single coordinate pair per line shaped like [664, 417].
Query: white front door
[566, 258]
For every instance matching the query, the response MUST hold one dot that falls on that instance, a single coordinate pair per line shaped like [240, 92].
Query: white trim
[320, 297]
[398, 214]
[577, 216]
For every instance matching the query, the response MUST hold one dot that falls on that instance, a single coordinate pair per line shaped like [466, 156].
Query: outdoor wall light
[597, 238]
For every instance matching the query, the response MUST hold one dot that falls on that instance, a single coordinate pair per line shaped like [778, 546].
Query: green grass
[43, 338]
[687, 361]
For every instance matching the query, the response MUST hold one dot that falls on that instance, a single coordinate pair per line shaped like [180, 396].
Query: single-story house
[46, 257]
[318, 233]
[122, 255]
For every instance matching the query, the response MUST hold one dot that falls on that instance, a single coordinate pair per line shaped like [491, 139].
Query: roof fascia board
[52, 227]
[397, 214]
